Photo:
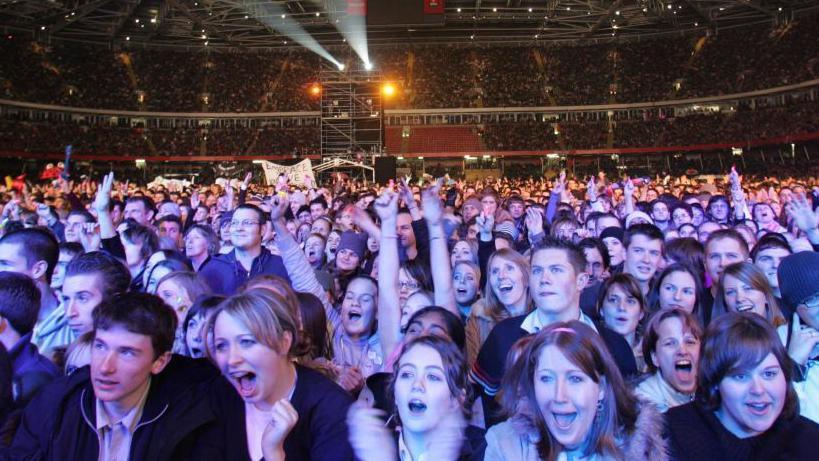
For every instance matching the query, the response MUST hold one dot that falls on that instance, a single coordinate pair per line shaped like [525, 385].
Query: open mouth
[197, 353]
[564, 421]
[417, 407]
[246, 382]
[461, 291]
[505, 288]
[684, 366]
[354, 315]
[759, 408]
[744, 307]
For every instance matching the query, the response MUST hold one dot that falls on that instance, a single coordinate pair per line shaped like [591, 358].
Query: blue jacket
[29, 370]
[224, 274]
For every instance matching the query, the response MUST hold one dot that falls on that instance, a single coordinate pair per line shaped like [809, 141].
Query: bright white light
[459, 10]
[341, 66]
[127, 39]
[530, 10]
[318, 14]
[266, 12]
[368, 66]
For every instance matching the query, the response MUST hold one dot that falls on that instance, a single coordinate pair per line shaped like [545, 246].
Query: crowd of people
[208, 80]
[566, 318]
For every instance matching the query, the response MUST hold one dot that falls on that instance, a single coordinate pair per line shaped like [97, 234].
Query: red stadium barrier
[802, 137]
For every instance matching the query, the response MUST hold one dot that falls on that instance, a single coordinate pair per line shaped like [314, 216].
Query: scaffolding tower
[352, 115]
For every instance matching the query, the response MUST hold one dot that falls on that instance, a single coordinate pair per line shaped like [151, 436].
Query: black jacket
[695, 433]
[178, 422]
[321, 431]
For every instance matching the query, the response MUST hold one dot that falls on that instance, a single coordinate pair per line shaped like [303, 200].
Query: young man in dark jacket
[226, 273]
[134, 402]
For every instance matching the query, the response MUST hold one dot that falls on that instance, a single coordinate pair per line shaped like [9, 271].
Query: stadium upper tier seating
[731, 61]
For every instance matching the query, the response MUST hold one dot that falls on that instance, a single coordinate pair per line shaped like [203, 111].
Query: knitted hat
[615, 232]
[637, 215]
[798, 277]
[508, 228]
[474, 202]
[353, 241]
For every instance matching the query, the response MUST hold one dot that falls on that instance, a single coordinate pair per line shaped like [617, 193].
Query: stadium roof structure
[258, 23]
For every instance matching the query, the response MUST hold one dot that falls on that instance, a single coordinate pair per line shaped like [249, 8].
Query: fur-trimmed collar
[644, 443]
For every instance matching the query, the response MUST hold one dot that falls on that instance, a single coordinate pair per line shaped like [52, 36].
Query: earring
[598, 415]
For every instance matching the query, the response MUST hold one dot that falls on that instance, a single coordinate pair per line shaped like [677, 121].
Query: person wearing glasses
[799, 284]
[225, 273]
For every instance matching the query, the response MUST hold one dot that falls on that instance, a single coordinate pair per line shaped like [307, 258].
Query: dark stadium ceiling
[242, 23]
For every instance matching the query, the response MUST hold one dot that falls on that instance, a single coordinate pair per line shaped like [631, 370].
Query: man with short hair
[170, 228]
[74, 223]
[140, 209]
[644, 252]
[767, 254]
[133, 402]
[557, 277]
[19, 305]
[90, 279]
[33, 252]
[225, 273]
[318, 208]
[723, 248]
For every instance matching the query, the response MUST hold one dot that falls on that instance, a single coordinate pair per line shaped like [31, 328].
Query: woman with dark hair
[748, 407]
[155, 272]
[678, 287]
[567, 400]
[430, 394]
[194, 325]
[314, 325]
[622, 307]
[671, 346]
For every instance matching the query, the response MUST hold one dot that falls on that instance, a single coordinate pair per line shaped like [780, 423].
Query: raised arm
[302, 275]
[628, 196]
[102, 204]
[389, 312]
[438, 252]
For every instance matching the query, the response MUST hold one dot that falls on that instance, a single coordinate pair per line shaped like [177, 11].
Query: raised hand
[591, 189]
[447, 439]
[431, 200]
[90, 238]
[371, 441]
[194, 200]
[248, 178]
[386, 205]
[534, 221]
[102, 201]
[559, 185]
[351, 379]
[486, 223]
[800, 211]
[283, 418]
[803, 340]
[628, 187]
[279, 206]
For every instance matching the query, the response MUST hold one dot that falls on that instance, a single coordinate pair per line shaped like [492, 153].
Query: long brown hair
[584, 348]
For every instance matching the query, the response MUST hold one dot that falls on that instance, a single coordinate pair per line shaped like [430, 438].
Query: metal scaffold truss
[351, 112]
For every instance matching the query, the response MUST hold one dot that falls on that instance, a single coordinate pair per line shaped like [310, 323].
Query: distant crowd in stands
[208, 80]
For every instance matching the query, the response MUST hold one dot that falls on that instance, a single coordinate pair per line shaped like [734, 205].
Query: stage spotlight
[368, 66]
[388, 90]
[315, 90]
[341, 66]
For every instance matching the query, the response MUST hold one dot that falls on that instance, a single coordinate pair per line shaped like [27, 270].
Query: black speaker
[384, 169]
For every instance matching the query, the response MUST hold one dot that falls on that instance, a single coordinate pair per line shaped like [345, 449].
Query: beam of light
[274, 17]
[353, 28]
